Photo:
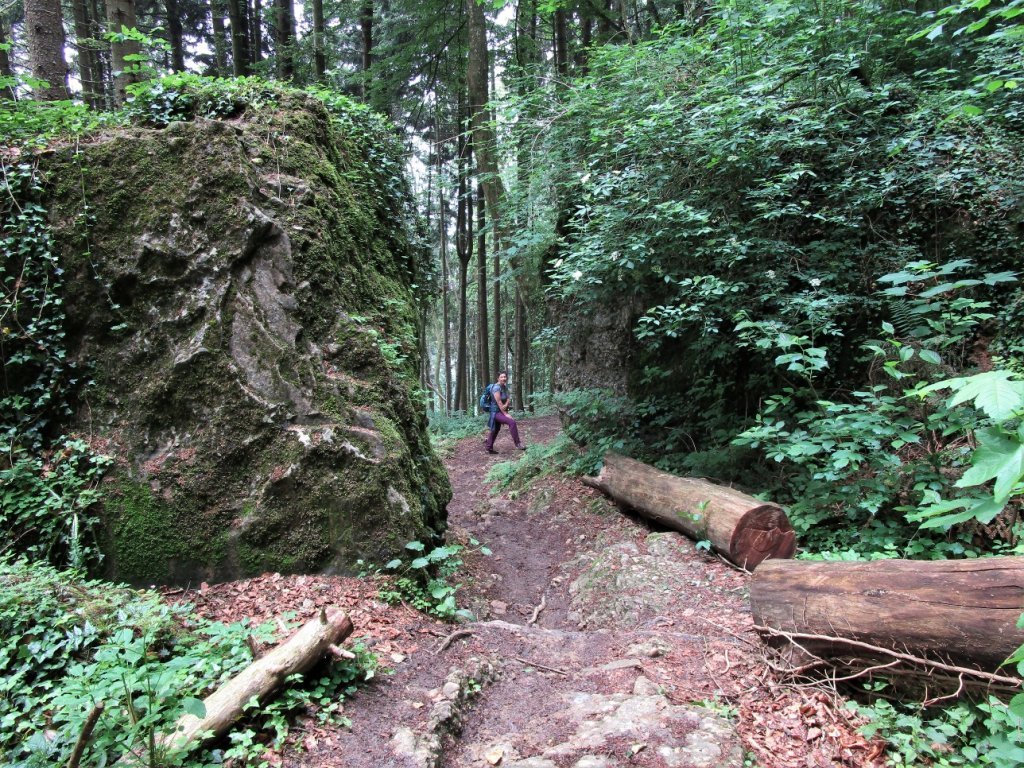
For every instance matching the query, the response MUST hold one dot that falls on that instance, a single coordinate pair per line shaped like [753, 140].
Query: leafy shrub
[69, 643]
[425, 581]
[964, 734]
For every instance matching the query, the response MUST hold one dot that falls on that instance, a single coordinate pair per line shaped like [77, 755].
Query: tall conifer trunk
[366, 31]
[256, 31]
[284, 18]
[220, 38]
[319, 42]
[174, 35]
[44, 30]
[237, 14]
[5, 64]
[487, 372]
[121, 15]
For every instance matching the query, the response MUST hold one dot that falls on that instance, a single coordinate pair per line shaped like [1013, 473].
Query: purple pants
[499, 419]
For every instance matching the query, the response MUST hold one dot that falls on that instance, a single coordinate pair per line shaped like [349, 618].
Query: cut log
[299, 653]
[741, 528]
[964, 611]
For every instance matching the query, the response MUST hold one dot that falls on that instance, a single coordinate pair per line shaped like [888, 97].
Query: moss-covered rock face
[247, 303]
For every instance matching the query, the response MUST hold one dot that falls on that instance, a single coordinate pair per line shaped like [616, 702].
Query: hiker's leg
[489, 444]
[502, 418]
[514, 431]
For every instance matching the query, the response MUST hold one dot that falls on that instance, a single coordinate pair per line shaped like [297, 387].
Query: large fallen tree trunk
[299, 653]
[740, 527]
[960, 611]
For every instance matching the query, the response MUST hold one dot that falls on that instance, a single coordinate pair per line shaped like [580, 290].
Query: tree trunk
[561, 47]
[298, 654]
[487, 374]
[366, 29]
[85, 45]
[319, 42]
[7, 92]
[121, 15]
[739, 527]
[284, 18]
[484, 141]
[446, 353]
[44, 30]
[522, 350]
[220, 38]
[464, 248]
[174, 33]
[237, 16]
[256, 31]
[963, 610]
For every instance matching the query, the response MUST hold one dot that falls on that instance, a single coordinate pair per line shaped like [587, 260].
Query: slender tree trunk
[285, 33]
[446, 353]
[521, 350]
[44, 30]
[488, 373]
[319, 41]
[237, 11]
[175, 36]
[366, 28]
[561, 47]
[220, 38]
[583, 55]
[86, 50]
[256, 31]
[464, 248]
[7, 92]
[121, 15]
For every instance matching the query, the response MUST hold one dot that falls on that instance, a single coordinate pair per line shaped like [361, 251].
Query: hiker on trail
[499, 414]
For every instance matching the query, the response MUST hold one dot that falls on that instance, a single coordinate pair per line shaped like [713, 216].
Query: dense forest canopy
[772, 243]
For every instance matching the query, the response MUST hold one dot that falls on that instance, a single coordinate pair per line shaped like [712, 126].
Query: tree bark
[44, 30]
[960, 610]
[522, 350]
[561, 47]
[238, 17]
[220, 38]
[464, 249]
[741, 528]
[298, 654]
[256, 31]
[486, 373]
[85, 45]
[7, 92]
[484, 140]
[366, 31]
[284, 17]
[121, 15]
[319, 42]
[175, 36]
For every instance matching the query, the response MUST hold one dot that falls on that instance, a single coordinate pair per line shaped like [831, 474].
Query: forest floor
[597, 642]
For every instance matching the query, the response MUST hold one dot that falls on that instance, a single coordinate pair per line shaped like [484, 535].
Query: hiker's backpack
[486, 399]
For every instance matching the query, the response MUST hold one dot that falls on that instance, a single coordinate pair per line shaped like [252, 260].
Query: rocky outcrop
[244, 291]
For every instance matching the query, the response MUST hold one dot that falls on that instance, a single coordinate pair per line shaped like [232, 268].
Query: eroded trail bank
[596, 642]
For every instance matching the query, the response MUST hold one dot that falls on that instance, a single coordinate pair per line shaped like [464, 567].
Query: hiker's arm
[503, 404]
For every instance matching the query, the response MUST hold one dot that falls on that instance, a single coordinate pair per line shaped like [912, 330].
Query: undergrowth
[69, 644]
[426, 581]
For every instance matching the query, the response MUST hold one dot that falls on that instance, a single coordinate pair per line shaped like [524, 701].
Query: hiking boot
[521, 447]
[491, 450]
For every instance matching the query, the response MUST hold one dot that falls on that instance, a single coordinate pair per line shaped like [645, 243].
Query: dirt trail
[597, 642]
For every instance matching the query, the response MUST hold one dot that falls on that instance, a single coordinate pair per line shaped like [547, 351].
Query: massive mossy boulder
[244, 290]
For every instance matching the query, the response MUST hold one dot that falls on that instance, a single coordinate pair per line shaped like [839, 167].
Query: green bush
[69, 643]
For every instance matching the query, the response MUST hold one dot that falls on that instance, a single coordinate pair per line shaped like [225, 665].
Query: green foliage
[47, 505]
[968, 734]
[868, 462]
[425, 581]
[69, 644]
[742, 182]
